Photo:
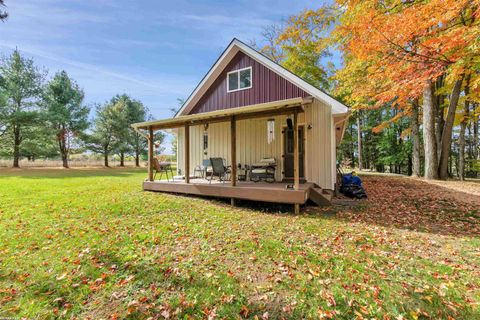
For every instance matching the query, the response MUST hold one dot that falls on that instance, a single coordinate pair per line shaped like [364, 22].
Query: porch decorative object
[270, 130]
[242, 172]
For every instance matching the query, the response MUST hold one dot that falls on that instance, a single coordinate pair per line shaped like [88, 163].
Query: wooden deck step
[320, 197]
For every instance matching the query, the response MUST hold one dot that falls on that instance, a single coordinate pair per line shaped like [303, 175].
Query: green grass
[90, 243]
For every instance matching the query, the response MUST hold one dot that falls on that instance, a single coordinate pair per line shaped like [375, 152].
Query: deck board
[260, 191]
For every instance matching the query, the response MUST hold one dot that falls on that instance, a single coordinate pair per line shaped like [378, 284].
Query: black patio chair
[218, 169]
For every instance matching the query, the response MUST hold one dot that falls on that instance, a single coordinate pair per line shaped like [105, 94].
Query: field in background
[79, 161]
[72, 163]
[88, 243]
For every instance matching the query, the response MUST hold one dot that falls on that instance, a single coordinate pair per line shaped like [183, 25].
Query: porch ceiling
[240, 113]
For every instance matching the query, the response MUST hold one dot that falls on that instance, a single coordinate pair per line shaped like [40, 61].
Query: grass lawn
[90, 244]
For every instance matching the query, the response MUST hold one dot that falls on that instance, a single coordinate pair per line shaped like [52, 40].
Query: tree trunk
[352, 153]
[137, 158]
[105, 158]
[16, 146]
[476, 153]
[438, 111]
[63, 151]
[65, 161]
[359, 139]
[122, 159]
[431, 161]
[446, 140]
[410, 166]
[415, 171]
[461, 138]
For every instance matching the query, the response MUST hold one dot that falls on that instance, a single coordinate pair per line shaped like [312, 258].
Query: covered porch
[296, 193]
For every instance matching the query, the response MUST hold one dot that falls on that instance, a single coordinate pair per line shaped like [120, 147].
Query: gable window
[239, 79]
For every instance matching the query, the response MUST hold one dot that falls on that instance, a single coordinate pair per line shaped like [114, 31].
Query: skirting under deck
[261, 191]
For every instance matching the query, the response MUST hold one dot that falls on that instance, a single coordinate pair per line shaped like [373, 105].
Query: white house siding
[252, 143]
[320, 150]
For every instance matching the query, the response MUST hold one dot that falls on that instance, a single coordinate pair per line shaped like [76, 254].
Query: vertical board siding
[267, 86]
[252, 143]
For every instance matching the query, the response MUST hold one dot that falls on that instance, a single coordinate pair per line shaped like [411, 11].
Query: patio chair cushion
[259, 170]
[265, 162]
[268, 160]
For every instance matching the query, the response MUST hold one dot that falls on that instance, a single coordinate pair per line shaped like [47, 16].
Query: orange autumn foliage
[392, 47]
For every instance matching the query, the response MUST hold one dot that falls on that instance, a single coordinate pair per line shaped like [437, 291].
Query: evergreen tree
[129, 140]
[102, 138]
[64, 113]
[21, 86]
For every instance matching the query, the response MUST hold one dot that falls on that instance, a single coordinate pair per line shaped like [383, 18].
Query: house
[248, 108]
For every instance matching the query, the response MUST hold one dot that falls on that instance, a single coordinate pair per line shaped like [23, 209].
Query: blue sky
[155, 51]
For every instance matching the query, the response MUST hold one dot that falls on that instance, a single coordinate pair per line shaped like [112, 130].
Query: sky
[155, 51]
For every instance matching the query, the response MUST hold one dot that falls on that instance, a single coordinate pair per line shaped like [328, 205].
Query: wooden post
[233, 149]
[187, 154]
[150, 154]
[296, 160]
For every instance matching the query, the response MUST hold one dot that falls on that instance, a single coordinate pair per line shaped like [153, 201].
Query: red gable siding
[267, 87]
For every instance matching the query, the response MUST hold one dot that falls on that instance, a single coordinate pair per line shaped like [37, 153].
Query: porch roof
[240, 113]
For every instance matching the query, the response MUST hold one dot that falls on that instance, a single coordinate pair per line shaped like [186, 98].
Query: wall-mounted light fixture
[309, 126]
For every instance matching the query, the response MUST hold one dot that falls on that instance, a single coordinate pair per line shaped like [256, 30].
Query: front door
[288, 152]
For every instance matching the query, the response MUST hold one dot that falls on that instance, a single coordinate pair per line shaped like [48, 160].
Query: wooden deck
[261, 191]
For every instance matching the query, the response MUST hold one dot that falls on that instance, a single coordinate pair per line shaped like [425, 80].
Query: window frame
[238, 78]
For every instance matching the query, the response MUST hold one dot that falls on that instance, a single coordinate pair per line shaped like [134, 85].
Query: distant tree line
[47, 118]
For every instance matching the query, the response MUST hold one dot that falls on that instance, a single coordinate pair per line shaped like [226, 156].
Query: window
[240, 79]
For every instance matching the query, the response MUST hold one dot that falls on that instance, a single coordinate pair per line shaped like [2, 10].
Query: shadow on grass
[394, 202]
[184, 292]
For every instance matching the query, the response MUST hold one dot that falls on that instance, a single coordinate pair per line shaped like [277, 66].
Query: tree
[301, 44]
[465, 118]
[120, 127]
[137, 112]
[130, 141]
[3, 13]
[270, 38]
[415, 127]
[359, 141]
[39, 142]
[408, 47]
[174, 142]
[102, 139]
[65, 114]
[20, 85]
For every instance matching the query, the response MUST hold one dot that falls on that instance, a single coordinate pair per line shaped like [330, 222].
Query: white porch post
[296, 160]
[150, 154]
